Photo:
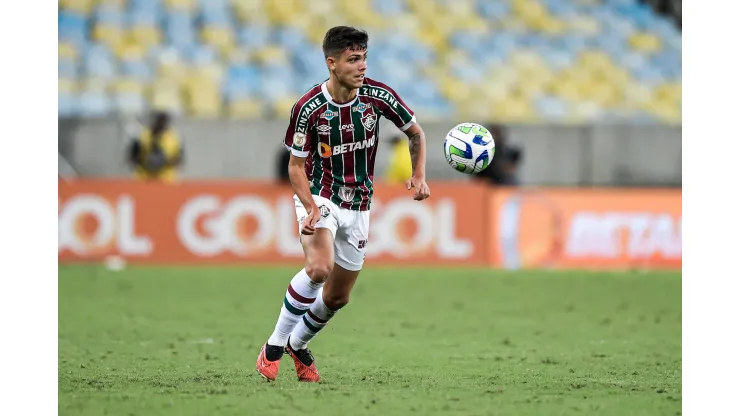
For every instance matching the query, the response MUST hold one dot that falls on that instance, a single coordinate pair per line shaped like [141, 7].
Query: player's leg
[302, 290]
[349, 247]
[331, 298]
[306, 284]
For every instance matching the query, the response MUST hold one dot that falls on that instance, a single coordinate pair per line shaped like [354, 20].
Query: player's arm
[299, 181]
[298, 142]
[393, 108]
[418, 152]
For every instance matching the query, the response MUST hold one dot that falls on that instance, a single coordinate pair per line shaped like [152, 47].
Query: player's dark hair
[340, 38]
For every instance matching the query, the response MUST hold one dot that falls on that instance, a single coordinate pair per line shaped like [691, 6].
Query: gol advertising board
[255, 222]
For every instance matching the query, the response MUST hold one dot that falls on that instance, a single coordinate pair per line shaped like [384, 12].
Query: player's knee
[336, 301]
[319, 271]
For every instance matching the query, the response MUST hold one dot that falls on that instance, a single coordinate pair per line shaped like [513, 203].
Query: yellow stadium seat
[567, 89]
[130, 51]
[456, 90]
[118, 3]
[435, 38]
[281, 11]
[595, 60]
[166, 99]
[665, 111]
[617, 76]
[374, 21]
[637, 96]
[526, 59]
[246, 109]
[186, 5]
[221, 38]
[175, 72]
[66, 85]
[80, 6]
[586, 111]
[203, 100]
[145, 36]
[240, 56]
[283, 105]
[496, 91]
[645, 42]
[425, 8]
[459, 9]
[271, 54]
[125, 85]
[67, 51]
[111, 36]
[317, 29]
[478, 109]
[604, 94]
[531, 12]
[583, 24]
[553, 26]
[94, 84]
[211, 73]
[514, 109]
[531, 86]
[670, 92]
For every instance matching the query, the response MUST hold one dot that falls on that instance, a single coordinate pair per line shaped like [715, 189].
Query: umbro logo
[323, 129]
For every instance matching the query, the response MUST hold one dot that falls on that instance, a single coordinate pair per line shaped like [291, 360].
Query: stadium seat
[245, 109]
[576, 59]
[165, 95]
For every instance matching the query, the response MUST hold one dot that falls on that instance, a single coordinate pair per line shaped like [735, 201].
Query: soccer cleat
[266, 368]
[304, 364]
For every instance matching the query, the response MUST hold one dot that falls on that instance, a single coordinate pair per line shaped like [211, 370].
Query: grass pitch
[183, 341]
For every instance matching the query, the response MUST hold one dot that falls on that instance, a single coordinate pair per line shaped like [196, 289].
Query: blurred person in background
[281, 166]
[399, 168]
[157, 153]
[504, 166]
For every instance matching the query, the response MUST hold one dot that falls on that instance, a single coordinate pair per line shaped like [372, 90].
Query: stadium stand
[515, 61]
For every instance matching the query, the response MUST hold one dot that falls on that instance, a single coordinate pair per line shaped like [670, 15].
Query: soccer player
[333, 140]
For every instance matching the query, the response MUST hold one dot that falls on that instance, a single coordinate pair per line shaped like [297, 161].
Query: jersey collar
[325, 91]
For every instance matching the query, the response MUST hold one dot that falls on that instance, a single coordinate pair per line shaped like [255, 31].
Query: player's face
[350, 68]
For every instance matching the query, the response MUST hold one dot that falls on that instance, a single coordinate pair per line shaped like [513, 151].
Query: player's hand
[309, 223]
[421, 191]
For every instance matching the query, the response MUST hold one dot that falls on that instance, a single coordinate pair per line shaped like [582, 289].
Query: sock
[315, 319]
[301, 293]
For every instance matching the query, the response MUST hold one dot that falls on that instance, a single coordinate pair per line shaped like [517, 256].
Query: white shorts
[349, 228]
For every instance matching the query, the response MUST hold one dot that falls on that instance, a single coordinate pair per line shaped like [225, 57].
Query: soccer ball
[469, 148]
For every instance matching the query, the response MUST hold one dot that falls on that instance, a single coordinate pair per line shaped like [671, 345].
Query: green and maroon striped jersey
[340, 141]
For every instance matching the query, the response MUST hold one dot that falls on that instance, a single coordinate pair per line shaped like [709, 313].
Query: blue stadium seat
[271, 56]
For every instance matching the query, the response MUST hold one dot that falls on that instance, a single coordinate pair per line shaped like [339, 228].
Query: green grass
[427, 342]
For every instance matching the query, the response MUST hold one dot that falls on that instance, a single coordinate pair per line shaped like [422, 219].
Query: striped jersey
[340, 141]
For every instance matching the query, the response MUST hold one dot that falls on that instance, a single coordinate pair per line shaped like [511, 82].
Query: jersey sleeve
[297, 137]
[393, 108]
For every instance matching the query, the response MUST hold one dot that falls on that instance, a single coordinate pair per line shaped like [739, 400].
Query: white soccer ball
[469, 148]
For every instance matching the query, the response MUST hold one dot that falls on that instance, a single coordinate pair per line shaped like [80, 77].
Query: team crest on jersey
[328, 114]
[324, 210]
[346, 194]
[299, 139]
[361, 108]
[369, 121]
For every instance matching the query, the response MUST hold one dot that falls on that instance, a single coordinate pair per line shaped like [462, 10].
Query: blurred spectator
[503, 169]
[399, 164]
[157, 153]
[282, 166]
